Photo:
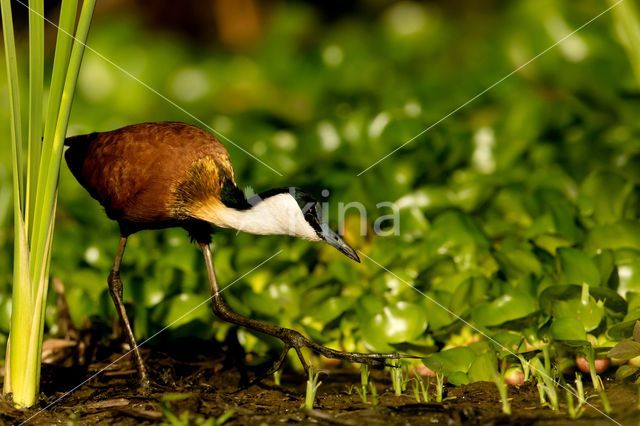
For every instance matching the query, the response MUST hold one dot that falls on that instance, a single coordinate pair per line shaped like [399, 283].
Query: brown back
[135, 172]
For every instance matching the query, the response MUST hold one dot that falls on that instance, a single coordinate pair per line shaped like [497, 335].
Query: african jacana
[159, 175]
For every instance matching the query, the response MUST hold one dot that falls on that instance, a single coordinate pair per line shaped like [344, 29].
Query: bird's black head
[309, 209]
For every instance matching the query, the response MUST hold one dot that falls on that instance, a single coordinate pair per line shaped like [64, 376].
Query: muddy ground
[195, 381]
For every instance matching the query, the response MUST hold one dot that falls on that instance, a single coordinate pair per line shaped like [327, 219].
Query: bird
[156, 175]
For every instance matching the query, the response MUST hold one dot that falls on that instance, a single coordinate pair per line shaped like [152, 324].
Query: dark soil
[198, 385]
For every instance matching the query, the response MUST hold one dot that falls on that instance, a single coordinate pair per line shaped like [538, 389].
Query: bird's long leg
[115, 288]
[290, 338]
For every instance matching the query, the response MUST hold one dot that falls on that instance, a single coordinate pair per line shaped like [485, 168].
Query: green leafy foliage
[509, 209]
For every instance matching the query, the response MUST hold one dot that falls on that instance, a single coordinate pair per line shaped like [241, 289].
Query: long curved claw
[296, 341]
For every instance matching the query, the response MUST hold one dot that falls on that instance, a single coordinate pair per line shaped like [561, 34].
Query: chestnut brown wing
[134, 171]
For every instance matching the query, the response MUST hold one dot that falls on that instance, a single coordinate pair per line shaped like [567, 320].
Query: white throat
[276, 215]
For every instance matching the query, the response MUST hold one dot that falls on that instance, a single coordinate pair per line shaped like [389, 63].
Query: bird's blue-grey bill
[335, 240]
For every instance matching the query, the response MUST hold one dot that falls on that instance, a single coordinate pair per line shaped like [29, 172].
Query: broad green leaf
[551, 243]
[625, 350]
[468, 294]
[589, 313]
[612, 300]
[330, 309]
[436, 305]
[603, 196]
[575, 267]
[507, 342]
[483, 368]
[518, 263]
[507, 307]
[622, 330]
[605, 263]
[625, 371]
[396, 323]
[451, 360]
[458, 378]
[620, 235]
[562, 212]
[456, 234]
[567, 329]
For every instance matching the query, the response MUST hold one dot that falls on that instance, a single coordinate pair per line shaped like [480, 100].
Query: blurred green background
[531, 185]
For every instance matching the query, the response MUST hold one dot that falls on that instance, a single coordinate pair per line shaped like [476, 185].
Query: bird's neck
[276, 215]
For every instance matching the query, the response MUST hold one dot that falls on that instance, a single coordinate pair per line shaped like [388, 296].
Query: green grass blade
[36, 84]
[34, 354]
[48, 192]
[31, 261]
[14, 103]
[21, 285]
[24, 393]
[64, 42]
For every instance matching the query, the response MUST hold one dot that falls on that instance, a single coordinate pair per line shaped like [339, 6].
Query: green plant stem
[580, 389]
[591, 359]
[36, 86]
[504, 397]
[374, 393]
[47, 192]
[571, 409]
[64, 42]
[21, 301]
[34, 232]
[541, 393]
[606, 406]
[425, 389]
[312, 388]
[416, 389]
[362, 393]
[14, 104]
[439, 386]
[396, 379]
[364, 375]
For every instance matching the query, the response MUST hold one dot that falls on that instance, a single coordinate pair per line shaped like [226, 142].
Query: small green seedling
[364, 382]
[580, 390]
[503, 390]
[313, 384]
[416, 389]
[420, 390]
[277, 375]
[399, 373]
[374, 393]
[574, 411]
[424, 389]
[439, 386]
[547, 385]
[364, 375]
[604, 399]
[591, 359]
[362, 393]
